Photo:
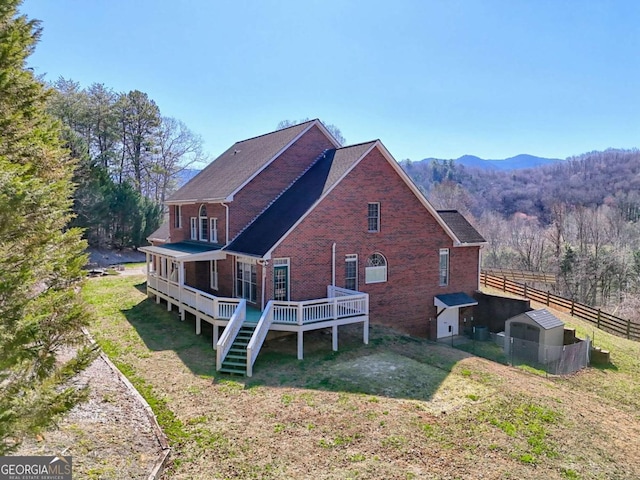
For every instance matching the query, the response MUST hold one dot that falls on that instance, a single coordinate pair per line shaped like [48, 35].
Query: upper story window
[351, 272]
[177, 216]
[204, 224]
[376, 269]
[444, 267]
[373, 217]
[213, 231]
[194, 228]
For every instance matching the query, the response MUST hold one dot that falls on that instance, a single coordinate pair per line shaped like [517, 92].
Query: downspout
[333, 264]
[226, 224]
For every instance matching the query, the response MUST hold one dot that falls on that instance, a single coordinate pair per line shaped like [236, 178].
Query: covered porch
[339, 307]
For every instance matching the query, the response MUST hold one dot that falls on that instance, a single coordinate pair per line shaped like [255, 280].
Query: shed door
[526, 340]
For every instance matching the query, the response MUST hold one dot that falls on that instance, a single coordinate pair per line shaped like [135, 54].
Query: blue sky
[429, 78]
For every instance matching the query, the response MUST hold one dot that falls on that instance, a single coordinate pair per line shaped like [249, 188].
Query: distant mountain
[187, 174]
[518, 162]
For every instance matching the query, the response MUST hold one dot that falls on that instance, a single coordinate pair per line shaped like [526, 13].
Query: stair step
[237, 349]
[229, 363]
[233, 371]
[236, 356]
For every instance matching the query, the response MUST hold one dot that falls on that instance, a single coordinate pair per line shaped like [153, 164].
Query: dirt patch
[109, 436]
[100, 257]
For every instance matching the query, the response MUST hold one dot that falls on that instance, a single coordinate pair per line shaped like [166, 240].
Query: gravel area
[111, 436]
[105, 257]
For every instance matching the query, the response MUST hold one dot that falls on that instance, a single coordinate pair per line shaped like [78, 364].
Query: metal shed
[537, 336]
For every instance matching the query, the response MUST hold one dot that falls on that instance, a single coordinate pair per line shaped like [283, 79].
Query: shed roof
[462, 229]
[544, 318]
[450, 300]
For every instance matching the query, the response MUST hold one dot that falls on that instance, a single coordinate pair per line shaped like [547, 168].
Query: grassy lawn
[399, 407]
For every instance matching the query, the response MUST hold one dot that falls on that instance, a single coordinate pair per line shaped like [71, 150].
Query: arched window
[204, 224]
[376, 269]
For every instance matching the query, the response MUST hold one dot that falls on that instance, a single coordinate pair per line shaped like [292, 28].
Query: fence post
[629, 329]
[598, 318]
[504, 284]
[573, 304]
[525, 289]
[548, 298]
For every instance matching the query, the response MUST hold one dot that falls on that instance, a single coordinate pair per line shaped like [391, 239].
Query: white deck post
[216, 335]
[180, 288]
[300, 344]
[365, 331]
[198, 325]
[334, 337]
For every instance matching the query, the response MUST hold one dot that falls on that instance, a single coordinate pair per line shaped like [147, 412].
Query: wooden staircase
[235, 362]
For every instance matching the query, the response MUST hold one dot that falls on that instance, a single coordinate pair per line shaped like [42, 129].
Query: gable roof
[460, 226]
[228, 173]
[544, 318]
[162, 233]
[269, 227]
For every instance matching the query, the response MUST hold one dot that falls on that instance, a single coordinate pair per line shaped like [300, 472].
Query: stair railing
[230, 333]
[258, 337]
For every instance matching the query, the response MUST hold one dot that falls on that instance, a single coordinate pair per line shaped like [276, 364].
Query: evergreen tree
[40, 258]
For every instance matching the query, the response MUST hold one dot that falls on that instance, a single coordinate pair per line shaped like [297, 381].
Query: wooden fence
[522, 276]
[603, 320]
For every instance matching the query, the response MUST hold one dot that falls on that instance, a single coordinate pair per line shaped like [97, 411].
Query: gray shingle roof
[222, 177]
[265, 231]
[460, 227]
[162, 233]
[544, 318]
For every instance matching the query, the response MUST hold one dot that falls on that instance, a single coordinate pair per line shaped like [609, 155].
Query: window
[214, 274]
[204, 224]
[213, 231]
[177, 216]
[246, 280]
[351, 272]
[194, 228]
[373, 217]
[281, 279]
[173, 276]
[376, 269]
[163, 267]
[444, 267]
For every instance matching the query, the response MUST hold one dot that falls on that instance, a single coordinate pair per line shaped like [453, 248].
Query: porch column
[180, 287]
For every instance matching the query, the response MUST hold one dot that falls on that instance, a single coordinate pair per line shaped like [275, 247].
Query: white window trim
[377, 229]
[284, 262]
[376, 274]
[213, 268]
[213, 230]
[352, 257]
[194, 228]
[444, 253]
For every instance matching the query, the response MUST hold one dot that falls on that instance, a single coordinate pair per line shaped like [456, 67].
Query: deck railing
[304, 313]
[258, 337]
[230, 332]
[216, 307]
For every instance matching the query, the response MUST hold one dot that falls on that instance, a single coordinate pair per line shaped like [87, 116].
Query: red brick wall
[258, 193]
[409, 238]
[214, 210]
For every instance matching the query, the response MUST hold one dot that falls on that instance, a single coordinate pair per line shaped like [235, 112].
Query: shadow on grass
[392, 365]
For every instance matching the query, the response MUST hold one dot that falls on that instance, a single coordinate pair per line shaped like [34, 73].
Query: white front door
[448, 323]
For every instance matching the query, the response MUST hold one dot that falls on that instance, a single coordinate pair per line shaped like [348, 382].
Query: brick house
[291, 216]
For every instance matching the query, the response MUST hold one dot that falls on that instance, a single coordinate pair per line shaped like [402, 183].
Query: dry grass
[398, 408]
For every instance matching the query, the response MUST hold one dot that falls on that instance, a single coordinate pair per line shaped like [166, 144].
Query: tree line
[129, 159]
[578, 219]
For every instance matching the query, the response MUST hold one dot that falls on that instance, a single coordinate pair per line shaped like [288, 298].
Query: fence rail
[522, 276]
[602, 320]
